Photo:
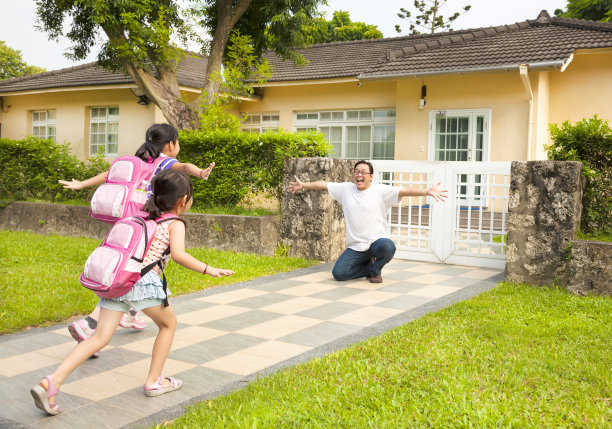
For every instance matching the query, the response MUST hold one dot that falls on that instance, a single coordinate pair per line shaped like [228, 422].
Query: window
[256, 123]
[43, 124]
[104, 130]
[353, 134]
[459, 135]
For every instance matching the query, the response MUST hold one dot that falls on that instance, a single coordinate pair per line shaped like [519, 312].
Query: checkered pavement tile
[223, 336]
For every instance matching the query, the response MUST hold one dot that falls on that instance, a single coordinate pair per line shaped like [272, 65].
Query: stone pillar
[544, 210]
[312, 224]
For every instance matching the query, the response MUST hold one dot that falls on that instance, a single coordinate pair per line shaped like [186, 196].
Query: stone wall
[543, 214]
[253, 234]
[312, 224]
[589, 268]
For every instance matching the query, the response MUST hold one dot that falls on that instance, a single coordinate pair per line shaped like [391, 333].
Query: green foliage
[41, 276]
[594, 10]
[245, 163]
[32, 167]
[139, 31]
[272, 24]
[13, 65]
[428, 16]
[339, 28]
[588, 141]
[241, 67]
[514, 357]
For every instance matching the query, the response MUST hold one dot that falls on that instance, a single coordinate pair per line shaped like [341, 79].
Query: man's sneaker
[376, 279]
[80, 331]
[134, 322]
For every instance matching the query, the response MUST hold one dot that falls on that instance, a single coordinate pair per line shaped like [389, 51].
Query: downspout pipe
[524, 73]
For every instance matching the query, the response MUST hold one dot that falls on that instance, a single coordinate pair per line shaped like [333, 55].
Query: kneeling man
[365, 208]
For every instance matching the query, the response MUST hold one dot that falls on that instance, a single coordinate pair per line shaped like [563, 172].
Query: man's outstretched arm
[309, 186]
[435, 192]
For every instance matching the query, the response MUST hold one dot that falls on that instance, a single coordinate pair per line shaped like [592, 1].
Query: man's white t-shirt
[365, 212]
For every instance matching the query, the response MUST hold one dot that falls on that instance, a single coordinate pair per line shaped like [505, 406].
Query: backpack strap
[165, 164]
[163, 218]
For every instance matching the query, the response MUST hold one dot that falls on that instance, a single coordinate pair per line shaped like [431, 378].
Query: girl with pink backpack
[156, 154]
[171, 196]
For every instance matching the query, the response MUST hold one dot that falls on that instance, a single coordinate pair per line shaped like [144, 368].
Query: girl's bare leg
[107, 324]
[165, 319]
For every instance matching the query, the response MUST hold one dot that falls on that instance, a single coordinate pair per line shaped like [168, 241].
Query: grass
[594, 237]
[40, 283]
[517, 356]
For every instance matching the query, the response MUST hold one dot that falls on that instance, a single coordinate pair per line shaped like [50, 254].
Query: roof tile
[190, 73]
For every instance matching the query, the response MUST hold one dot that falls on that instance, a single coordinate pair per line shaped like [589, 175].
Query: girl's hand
[205, 173]
[74, 184]
[218, 272]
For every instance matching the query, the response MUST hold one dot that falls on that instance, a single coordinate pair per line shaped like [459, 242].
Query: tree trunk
[227, 16]
[165, 93]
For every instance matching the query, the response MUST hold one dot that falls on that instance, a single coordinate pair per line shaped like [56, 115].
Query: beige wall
[346, 95]
[503, 93]
[72, 116]
[583, 89]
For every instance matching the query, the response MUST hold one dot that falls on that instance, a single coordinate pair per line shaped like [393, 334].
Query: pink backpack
[126, 189]
[113, 267]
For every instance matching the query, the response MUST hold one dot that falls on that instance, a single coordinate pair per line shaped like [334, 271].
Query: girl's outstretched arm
[76, 184]
[178, 254]
[193, 170]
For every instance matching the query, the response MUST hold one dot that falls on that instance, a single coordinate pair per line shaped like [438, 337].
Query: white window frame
[472, 114]
[107, 120]
[344, 118]
[472, 191]
[260, 122]
[48, 123]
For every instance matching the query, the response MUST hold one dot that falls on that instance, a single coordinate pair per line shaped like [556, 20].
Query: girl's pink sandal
[41, 397]
[158, 388]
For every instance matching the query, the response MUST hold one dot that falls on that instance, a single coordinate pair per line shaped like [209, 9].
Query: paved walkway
[226, 337]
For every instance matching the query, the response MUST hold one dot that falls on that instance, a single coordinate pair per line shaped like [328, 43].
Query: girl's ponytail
[156, 138]
[151, 208]
[168, 187]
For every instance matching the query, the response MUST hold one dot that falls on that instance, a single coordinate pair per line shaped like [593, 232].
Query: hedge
[588, 141]
[245, 163]
[32, 167]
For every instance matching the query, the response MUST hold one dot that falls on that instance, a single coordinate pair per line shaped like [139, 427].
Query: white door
[461, 135]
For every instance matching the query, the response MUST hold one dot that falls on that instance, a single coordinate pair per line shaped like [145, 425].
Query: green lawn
[40, 283]
[517, 356]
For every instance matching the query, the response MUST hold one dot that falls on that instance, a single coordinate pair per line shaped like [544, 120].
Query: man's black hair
[363, 161]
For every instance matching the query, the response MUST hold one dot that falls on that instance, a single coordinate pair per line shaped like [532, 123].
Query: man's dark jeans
[353, 264]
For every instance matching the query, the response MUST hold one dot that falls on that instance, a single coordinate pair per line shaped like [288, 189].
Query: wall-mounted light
[143, 100]
[4, 108]
[422, 100]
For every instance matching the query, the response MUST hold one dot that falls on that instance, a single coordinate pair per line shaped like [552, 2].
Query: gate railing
[468, 229]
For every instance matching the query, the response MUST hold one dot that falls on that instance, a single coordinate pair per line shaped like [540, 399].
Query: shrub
[588, 141]
[245, 163]
[32, 167]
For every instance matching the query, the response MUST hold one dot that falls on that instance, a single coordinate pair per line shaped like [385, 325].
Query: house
[485, 94]
[88, 106]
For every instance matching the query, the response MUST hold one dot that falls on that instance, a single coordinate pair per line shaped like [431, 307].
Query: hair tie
[150, 160]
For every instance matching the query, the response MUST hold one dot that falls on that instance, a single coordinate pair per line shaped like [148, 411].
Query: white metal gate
[468, 229]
